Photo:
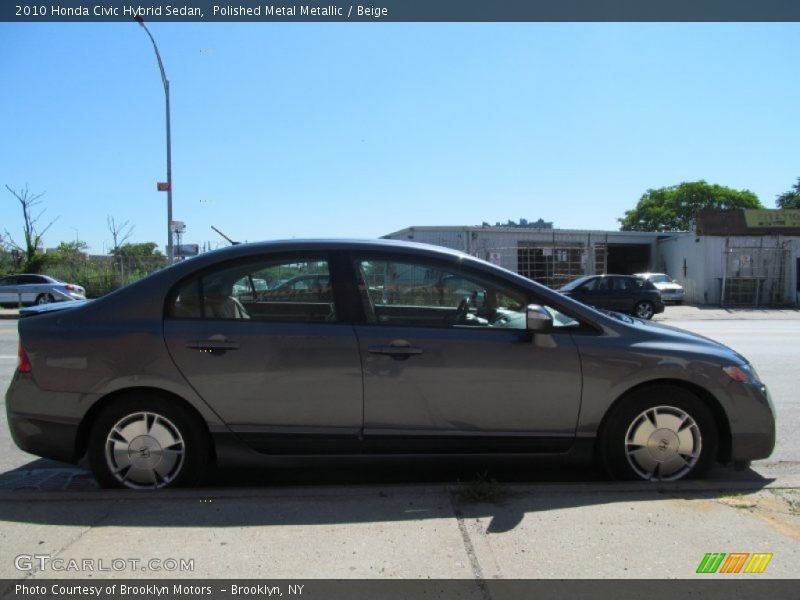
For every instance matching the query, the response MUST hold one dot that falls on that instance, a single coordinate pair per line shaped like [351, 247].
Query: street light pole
[165, 81]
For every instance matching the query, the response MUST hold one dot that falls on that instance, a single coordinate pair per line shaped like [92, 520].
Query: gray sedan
[188, 367]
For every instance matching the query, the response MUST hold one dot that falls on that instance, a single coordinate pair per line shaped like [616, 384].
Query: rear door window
[280, 290]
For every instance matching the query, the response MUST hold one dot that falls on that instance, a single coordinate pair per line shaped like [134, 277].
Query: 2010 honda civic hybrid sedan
[399, 348]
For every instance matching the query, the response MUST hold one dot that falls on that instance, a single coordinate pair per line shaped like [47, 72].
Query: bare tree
[34, 257]
[120, 233]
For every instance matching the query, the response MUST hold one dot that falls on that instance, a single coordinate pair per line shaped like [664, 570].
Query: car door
[620, 296]
[8, 290]
[448, 372]
[595, 292]
[30, 286]
[285, 374]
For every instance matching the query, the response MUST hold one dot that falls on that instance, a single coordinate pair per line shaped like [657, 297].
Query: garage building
[734, 258]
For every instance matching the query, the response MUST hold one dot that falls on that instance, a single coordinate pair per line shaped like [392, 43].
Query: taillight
[70, 287]
[23, 362]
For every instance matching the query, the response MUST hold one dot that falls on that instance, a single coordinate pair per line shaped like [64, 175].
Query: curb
[313, 492]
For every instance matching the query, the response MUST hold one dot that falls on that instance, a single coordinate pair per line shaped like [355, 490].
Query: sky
[289, 130]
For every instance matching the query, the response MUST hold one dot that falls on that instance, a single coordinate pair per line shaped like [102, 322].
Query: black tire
[665, 403]
[164, 419]
[644, 310]
[44, 299]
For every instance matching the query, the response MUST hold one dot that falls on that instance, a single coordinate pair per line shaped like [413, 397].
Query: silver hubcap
[145, 450]
[644, 310]
[663, 444]
[44, 299]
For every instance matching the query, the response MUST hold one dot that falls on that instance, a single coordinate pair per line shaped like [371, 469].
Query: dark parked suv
[406, 349]
[623, 293]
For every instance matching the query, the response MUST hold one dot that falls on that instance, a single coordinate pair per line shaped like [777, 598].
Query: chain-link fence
[553, 265]
[754, 276]
[100, 275]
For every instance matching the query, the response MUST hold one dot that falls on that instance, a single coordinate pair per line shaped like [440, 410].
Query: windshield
[618, 316]
[573, 284]
[660, 279]
[560, 319]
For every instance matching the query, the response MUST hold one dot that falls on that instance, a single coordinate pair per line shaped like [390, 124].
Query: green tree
[6, 257]
[790, 199]
[140, 250]
[68, 252]
[144, 257]
[69, 261]
[673, 208]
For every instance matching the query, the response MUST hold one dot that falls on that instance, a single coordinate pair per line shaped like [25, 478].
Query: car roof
[29, 275]
[344, 244]
[322, 245]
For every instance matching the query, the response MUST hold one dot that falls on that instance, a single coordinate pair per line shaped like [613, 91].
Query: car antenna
[225, 236]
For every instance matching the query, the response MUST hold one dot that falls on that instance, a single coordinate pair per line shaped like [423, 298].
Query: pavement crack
[474, 563]
[72, 542]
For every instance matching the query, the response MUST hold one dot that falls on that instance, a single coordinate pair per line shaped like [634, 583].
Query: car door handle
[212, 346]
[395, 350]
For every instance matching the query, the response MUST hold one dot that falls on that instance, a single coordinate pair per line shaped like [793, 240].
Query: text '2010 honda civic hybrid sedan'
[386, 348]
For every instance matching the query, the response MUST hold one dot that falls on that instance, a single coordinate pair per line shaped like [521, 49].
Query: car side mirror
[538, 320]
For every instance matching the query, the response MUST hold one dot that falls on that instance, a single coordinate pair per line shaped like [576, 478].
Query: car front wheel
[644, 310]
[659, 434]
[142, 443]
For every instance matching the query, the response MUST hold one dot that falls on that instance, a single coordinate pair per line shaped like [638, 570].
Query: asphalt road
[773, 347]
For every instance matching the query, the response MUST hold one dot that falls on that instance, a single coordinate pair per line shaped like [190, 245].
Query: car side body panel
[83, 354]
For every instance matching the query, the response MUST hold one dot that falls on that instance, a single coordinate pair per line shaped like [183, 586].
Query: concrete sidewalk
[417, 531]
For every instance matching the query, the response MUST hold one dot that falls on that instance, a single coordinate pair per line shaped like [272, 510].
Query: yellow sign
[772, 218]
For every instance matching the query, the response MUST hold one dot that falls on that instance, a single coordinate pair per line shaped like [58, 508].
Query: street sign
[187, 250]
[162, 186]
[177, 226]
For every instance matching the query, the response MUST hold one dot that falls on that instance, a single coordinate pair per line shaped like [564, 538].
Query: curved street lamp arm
[164, 79]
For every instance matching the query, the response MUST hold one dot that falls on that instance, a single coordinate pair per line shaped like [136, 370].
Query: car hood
[667, 336]
[52, 307]
[668, 286]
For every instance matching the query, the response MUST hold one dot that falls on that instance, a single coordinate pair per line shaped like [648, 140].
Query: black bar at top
[405, 11]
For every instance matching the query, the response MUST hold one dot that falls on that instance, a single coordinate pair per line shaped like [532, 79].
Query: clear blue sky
[357, 130]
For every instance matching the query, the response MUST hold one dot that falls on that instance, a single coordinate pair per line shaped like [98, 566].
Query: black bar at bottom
[707, 588]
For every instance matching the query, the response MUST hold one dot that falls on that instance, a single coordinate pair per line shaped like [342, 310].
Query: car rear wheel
[662, 433]
[44, 299]
[145, 443]
[644, 310]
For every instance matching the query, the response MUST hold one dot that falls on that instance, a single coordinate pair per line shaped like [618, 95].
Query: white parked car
[37, 289]
[671, 291]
